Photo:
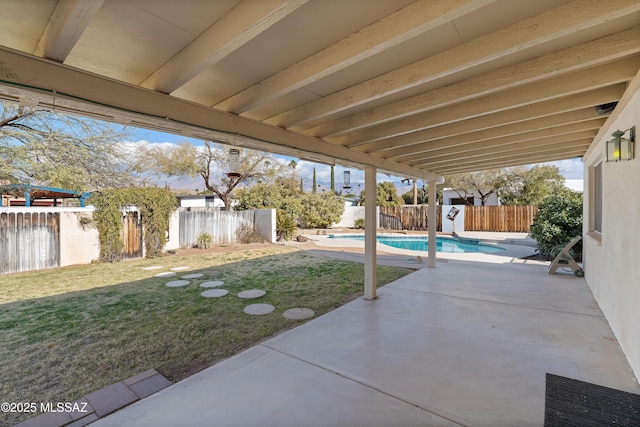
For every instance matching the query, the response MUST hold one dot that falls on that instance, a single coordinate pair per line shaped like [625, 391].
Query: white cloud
[570, 168]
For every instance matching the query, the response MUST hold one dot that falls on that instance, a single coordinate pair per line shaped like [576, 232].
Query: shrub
[359, 223]
[247, 234]
[286, 226]
[204, 241]
[321, 210]
[558, 220]
[155, 206]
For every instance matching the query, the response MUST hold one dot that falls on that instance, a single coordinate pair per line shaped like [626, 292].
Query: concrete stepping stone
[211, 284]
[153, 267]
[177, 283]
[166, 274]
[299, 313]
[180, 268]
[259, 309]
[252, 293]
[192, 276]
[214, 293]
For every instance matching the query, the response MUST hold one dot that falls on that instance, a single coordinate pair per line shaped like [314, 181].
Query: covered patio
[467, 343]
[417, 89]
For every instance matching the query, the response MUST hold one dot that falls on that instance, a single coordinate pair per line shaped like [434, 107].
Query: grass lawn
[70, 331]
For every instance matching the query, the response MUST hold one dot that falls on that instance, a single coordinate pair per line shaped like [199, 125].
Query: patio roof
[416, 88]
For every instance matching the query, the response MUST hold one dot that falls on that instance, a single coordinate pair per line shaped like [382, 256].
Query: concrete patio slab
[263, 387]
[467, 343]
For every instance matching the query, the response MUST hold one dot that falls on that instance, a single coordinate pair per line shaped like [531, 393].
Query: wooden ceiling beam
[574, 150]
[67, 23]
[58, 83]
[460, 143]
[586, 55]
[521, 147]
[556, 112]
[242, 24]
[407, 23]
[574, 83]
[533, 138]
[567, 19]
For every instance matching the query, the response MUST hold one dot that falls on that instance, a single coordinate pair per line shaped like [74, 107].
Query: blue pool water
[443, 244]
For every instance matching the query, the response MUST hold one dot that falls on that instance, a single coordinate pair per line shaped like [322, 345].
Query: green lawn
[67, 332]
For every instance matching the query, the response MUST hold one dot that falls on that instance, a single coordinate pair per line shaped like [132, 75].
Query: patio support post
[431, 261]
[370, 232]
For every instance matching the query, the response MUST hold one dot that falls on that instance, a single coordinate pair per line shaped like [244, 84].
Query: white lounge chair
[563, 258]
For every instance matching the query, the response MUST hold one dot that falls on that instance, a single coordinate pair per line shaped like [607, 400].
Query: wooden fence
[222, 225]
[131, 234]
[412, 217]
[499, 218]
[29, 241]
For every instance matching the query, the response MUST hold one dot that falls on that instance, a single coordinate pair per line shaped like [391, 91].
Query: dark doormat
[570, 402]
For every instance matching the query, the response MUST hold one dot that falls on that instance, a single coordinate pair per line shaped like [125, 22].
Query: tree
[211, 163]
[282, 195]
[423, 197]
[480, 184]
[315, 185]
[333, 179]
[529, 186]
[559, 219]
[386, 195]
[47, 148]
[321, 210]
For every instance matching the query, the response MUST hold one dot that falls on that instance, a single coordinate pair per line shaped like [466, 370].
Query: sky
[571, 169]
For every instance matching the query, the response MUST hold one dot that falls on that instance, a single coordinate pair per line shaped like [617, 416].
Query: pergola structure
[414, 88]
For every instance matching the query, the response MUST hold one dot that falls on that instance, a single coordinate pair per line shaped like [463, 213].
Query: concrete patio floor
[467, 343]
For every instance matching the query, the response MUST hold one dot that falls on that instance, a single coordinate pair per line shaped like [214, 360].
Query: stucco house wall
[611, 256]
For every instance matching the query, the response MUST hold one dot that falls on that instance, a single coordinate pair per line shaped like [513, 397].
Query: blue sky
[570, 169]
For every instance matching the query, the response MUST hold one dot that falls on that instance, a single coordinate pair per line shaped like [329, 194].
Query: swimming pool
[418, 243]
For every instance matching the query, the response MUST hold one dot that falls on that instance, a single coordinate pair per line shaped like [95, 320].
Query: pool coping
[513, 253]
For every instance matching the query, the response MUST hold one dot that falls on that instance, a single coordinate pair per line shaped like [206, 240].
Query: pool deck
[517, 247]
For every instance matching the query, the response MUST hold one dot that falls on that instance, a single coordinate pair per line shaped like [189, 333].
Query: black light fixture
[234, 163]
[621, 146]
[346, 177]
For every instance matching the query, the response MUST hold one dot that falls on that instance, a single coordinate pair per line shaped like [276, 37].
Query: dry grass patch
[67, 332]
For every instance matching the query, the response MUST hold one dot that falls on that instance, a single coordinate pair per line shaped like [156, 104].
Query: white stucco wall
[458, 223]
[78, 245]
[611, 258]
[173, 242]
[265, 221]
[350, 214]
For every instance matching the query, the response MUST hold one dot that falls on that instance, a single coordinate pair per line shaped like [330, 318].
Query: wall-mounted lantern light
[621, 146]
[234, 163]
[346, 180]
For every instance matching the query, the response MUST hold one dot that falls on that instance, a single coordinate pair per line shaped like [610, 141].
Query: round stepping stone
[166, 274]
[153, 267]
[212, 284]
[299, 313]
[253, 293]
[214, 293]
[177, 283]
[193, 276]
[179, 268]
[259, 309]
